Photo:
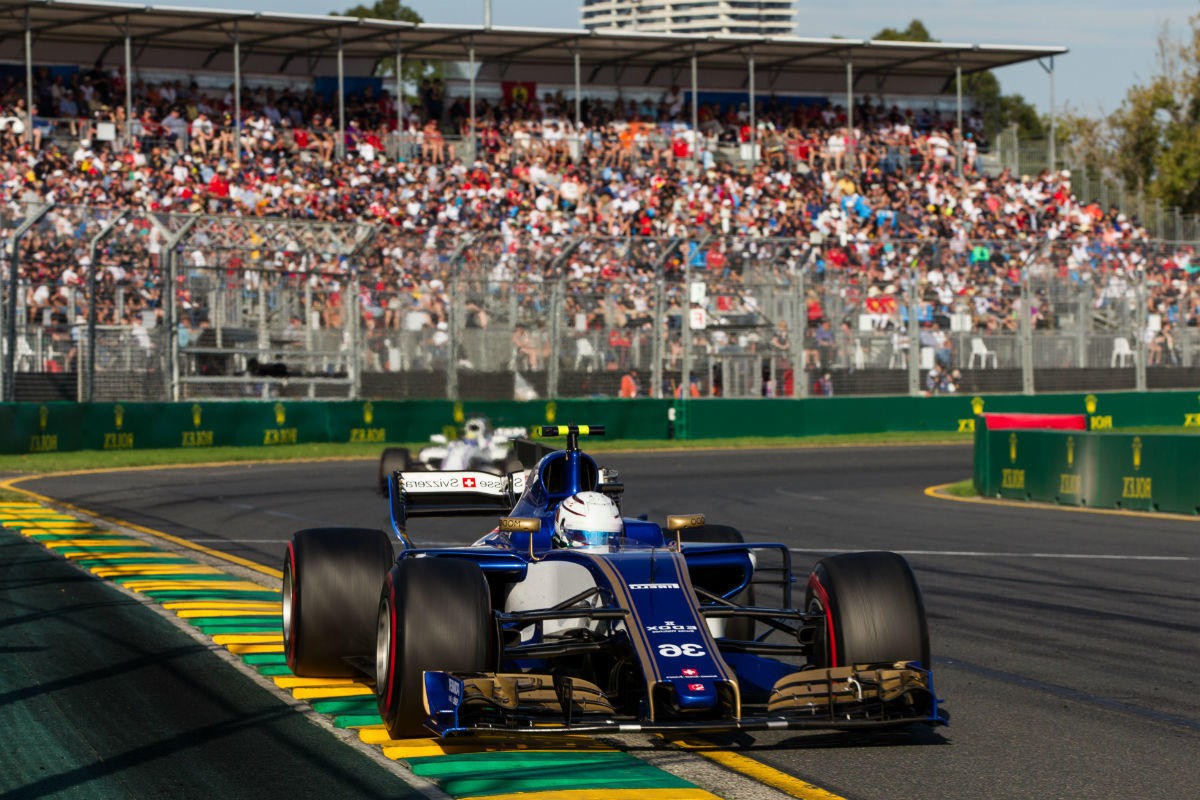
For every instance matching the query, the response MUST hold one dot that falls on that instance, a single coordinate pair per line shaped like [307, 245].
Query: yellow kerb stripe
[788, 784]
[605, 794]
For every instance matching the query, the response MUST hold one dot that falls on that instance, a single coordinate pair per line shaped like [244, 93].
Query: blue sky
[1112, 42]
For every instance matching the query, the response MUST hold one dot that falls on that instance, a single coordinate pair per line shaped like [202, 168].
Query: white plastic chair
[1122, 353]
[979, 350]
[860, 357]
[585, 353]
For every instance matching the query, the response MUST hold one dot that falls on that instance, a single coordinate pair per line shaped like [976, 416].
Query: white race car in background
[478, 448]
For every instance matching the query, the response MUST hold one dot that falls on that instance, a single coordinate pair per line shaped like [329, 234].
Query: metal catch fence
[162, 306]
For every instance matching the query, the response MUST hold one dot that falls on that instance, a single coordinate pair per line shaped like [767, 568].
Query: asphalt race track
[1066, 645]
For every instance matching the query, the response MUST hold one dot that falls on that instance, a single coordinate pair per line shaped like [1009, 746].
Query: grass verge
[115, 459]
[961, 489]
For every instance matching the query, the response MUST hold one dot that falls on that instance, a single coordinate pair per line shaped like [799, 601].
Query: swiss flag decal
[468, 483]
[689, 672]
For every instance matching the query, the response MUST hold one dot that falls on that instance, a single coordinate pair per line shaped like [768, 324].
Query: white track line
[980, 554]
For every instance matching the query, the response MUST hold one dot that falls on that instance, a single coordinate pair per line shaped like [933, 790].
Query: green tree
[414, 69]
[999, 110]
[1154, 130]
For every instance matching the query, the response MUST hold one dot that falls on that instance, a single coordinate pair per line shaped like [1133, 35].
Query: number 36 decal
[676, 650]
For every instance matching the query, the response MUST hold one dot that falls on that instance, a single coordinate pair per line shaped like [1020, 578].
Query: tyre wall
[48, 427]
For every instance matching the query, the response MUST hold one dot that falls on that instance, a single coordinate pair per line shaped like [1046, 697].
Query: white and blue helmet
[588, 519]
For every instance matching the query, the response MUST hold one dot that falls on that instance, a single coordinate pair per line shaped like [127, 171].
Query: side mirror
[438, 438]
[680, 522]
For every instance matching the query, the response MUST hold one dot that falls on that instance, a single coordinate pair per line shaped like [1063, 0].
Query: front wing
[530, 704]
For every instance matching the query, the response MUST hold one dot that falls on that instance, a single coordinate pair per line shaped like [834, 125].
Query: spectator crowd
[892, 212]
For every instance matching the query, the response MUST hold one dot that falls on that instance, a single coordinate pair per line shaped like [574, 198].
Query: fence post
[552, 365]
[14, 259]
[1026, 332]
[1082, 323]
[914, 327]
[799, 329]
[93, 274]
[1140, 323]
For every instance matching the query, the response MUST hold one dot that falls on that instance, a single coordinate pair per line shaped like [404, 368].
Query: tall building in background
[758, 17]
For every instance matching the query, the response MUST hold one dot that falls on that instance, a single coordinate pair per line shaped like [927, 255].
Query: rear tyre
[393, 458]
[331, 580]
[872, 609]
[735, 627]
[434, 614]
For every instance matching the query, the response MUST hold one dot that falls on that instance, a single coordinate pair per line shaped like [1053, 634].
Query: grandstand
[254, 215]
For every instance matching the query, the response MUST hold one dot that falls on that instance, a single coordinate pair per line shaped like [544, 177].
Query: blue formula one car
[571, 618]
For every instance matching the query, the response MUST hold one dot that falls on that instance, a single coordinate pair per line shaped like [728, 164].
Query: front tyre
[872, 610]
[331, 580]
[434, 614]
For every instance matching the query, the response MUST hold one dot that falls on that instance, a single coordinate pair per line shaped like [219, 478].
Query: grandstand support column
[128, 88]
[10, 317]
[93, 272]
[399, 100]
[753, 120]
[958, 105]
[471, 70]
[341, 92]
[1048, 67]
[237, 95]
[578, 97]
[29, 77]
[696, 162]
[851, 154]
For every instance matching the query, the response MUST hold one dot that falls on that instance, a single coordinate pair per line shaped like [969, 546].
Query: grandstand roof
[84, 32]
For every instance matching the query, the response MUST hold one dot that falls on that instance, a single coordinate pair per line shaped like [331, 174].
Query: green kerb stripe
[148, 559]
[355, 706]
[257, 659]
[271, 670]
[211, 594]
[474, 774]
[108, 548]
[270, 622]
[357, 720]
[182, 576]
[214, 630]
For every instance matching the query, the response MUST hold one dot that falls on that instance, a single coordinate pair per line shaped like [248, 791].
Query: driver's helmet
[475, 430]
[588, 519]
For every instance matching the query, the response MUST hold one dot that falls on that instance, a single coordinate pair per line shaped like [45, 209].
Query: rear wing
[447, 494]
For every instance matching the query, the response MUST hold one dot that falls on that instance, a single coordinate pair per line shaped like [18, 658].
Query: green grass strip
[474, 774]
[213, 594]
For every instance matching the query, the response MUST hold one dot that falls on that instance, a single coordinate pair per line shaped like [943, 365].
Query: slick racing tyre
[434, 614]
[713, 580]
[393, 458]
[331, 580]
[872, 609]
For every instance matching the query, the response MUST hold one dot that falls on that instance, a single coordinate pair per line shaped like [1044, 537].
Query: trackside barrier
[61, 427]
[1144, 472]
[1016, 421]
